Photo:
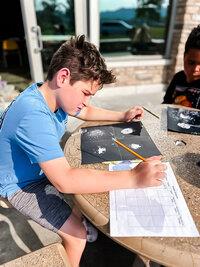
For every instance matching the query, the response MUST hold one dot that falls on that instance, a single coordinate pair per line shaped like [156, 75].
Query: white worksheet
[153, 211]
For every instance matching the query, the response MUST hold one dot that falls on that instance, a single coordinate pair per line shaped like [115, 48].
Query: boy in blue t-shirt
[184, 88]
[33, 168]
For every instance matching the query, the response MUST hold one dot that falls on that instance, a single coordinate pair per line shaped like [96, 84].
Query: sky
[110, 5]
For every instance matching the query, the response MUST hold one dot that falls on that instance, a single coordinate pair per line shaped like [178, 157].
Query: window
[57, 24]
[55, 17]
[133, 26]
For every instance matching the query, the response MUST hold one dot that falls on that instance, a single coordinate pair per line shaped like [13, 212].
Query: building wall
[140, 75]
[152, 71]
[149, 72]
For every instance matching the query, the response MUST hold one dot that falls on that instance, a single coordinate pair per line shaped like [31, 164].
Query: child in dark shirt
[184, 88]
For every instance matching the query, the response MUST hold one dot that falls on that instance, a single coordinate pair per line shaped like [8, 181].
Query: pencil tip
[114, 139]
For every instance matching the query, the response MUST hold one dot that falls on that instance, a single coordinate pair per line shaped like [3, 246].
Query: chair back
[10, 45]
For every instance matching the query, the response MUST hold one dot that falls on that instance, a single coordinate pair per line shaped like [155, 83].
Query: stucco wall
[139, 75]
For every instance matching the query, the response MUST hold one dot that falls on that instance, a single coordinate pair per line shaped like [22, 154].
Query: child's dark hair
[193, 40]
[82, 59]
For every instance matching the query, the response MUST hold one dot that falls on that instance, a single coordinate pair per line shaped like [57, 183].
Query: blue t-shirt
[29, 133]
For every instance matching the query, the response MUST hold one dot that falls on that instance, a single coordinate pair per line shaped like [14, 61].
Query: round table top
[185, 163]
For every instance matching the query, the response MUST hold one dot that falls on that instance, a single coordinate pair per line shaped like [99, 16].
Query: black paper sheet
[98, 146]
[183, 120]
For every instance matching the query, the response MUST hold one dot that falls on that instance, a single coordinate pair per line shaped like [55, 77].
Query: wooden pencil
[151, 113]
[129, 150]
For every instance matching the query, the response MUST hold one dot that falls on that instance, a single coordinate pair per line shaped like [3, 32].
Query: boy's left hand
[135, 113]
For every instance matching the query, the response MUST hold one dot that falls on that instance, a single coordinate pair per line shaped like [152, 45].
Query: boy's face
[192, 65]
[74, 97]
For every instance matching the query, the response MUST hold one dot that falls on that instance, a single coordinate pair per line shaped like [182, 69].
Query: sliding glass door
[47, 24]
[117, 27]
[55, 19]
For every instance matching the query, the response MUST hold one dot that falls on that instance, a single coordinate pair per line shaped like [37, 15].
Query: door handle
[37, 30]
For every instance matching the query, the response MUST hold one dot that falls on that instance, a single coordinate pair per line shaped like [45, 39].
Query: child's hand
[150, 173]
[135, 113]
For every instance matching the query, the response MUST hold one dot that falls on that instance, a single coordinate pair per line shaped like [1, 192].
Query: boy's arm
[91, 113]
[77, 180]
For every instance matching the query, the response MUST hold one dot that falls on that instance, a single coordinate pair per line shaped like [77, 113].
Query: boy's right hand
[149, 173]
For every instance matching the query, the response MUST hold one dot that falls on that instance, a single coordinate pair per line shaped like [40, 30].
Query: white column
[94, 22]
[80, 13]
[32, 42]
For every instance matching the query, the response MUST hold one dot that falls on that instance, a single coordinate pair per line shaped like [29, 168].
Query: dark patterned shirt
[183, 93]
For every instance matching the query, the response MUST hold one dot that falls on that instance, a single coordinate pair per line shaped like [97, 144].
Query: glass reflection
[55, 17]
[133, 26]
[56, 20]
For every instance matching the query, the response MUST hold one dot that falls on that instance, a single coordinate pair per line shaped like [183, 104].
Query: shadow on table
[188, 167]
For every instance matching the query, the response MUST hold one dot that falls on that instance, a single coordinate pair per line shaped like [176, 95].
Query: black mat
[97, 144]
[183, 120]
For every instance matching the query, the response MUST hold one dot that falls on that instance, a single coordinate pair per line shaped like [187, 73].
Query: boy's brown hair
[82, 59]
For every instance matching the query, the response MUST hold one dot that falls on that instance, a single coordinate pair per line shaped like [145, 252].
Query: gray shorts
[43, 203]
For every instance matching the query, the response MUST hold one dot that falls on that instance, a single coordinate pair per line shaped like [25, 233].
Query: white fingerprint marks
[135, 146]
[127, 131]
[183, 125]
[101, 150]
